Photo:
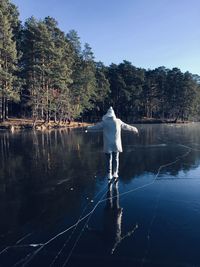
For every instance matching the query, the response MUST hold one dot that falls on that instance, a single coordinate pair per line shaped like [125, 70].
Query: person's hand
[136, 131]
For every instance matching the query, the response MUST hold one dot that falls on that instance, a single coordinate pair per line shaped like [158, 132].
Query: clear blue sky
[149, 33]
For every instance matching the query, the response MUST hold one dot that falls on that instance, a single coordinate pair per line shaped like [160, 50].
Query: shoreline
[160, 121]
[13, 124]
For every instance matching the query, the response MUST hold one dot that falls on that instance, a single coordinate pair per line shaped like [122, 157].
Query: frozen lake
[58, 209]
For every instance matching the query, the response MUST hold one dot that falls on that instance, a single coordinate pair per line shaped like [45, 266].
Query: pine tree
[75, 43]
[83, 87]
[102, 89]
[61, 71]
[88, 92]
[8, 60]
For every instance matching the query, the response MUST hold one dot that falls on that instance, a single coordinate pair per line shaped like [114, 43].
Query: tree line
[48, 74]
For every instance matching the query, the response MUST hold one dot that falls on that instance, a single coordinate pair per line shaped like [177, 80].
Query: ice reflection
[112, 221]
[111, 232]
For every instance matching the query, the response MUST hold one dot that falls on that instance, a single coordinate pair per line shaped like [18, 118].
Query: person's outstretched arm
[96, 127]
[128, 127]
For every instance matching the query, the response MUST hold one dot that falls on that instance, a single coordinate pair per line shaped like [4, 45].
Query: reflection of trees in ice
[50, 152]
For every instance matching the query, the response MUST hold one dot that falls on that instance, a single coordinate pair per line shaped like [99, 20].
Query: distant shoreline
[159, 121]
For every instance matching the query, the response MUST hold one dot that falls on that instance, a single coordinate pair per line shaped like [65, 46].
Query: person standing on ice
[111, 127]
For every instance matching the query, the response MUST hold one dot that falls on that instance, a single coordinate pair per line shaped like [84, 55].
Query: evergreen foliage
[9, 90]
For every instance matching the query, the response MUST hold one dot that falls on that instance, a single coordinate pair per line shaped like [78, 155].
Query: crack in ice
[60, 251]
[157, 201]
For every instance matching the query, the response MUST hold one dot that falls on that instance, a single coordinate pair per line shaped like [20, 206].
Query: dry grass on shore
[15, 123]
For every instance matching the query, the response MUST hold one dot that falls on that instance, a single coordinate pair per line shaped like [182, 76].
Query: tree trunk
[47, 104]
[6, 109]
[1, 108]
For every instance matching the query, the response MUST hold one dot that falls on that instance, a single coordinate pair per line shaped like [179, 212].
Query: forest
[47, 74]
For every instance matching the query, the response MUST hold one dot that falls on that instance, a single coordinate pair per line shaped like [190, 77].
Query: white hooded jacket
[111, 127]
